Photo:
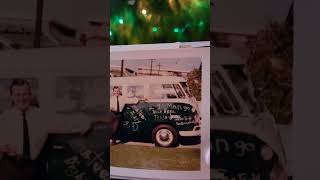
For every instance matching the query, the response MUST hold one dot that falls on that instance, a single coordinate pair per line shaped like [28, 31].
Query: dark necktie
[118, 106]
[26, 140]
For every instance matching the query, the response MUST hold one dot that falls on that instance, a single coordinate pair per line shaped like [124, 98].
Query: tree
[194, 82]
[270, 66]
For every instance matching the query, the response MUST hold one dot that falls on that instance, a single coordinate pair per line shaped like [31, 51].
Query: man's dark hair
[19, 82]
[116, 87]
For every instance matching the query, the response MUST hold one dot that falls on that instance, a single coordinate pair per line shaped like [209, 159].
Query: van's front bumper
[191, 133]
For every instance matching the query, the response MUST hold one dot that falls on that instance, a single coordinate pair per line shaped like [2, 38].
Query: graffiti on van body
[93, 161]
[222, 145]
[136, 116]
[182, 114]
[171, 107]
[221, 174]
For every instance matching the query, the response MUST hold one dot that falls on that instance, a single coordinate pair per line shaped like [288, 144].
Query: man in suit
[23, 132]
[115, 109]
[117, 104]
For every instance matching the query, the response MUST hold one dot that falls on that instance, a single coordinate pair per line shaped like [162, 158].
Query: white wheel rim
[164, 137]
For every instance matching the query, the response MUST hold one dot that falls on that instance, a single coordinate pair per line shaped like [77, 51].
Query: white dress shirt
[122, 102]
[39, 126]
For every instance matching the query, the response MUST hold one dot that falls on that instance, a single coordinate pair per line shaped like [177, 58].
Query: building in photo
[158, 71]
[18, 33]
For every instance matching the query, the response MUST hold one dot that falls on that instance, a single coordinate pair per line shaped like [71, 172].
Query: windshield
[186, 88]
[244, 87]
[222, 97]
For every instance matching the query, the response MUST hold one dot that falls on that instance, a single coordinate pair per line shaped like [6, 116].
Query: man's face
[116, 92]
[21, 96]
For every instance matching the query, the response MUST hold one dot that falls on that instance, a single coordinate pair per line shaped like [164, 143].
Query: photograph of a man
[24, 129]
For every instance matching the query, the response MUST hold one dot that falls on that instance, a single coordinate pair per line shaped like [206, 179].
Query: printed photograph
[38, 143]
[251, 90]
[155, 105]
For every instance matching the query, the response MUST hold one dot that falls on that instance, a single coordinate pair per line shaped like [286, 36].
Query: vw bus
[244, 137]
[165, 112]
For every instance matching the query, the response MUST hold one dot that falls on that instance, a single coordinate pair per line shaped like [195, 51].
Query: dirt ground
[144, 157]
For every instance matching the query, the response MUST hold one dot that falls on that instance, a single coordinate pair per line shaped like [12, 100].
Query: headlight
[266, 153]
[197, 119]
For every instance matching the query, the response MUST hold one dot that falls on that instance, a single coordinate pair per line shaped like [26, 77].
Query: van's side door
[135, 115]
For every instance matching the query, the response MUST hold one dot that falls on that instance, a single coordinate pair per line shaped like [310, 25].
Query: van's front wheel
[165, 136]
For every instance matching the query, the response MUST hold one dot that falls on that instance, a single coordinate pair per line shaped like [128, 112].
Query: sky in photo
[176, 64]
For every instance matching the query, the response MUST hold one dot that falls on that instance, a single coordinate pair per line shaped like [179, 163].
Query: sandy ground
[146, 156]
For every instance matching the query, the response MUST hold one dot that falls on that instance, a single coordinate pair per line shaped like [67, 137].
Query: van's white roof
[146, 79]
[225, 56]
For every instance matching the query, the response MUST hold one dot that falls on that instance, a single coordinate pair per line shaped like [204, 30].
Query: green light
[201, 23]
[154, 29]
[110, 33]
[121, 21]
[176, 30]
[188, 25]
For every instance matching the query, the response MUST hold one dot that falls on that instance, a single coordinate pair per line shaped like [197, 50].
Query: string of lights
[159, 21]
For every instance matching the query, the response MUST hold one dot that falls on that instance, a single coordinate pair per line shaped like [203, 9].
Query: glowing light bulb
[121, 21]
[176, 30]
[144, 11]
[154, 29]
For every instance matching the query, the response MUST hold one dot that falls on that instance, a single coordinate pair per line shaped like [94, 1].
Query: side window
[223, 98]
[162, 91]
[179, 91]
[135, 91]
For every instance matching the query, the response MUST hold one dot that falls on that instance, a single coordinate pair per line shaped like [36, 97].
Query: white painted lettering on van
[135, 125]
[224, 144]
[222, 174]
[164, 111]
[135, 120]
[156, 111]
[126, 124]
[160, 117]
[175, 117]
[169, 111]
[244, 147]
[181, 123]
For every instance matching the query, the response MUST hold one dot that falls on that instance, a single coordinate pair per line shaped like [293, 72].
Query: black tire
[170, 139]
